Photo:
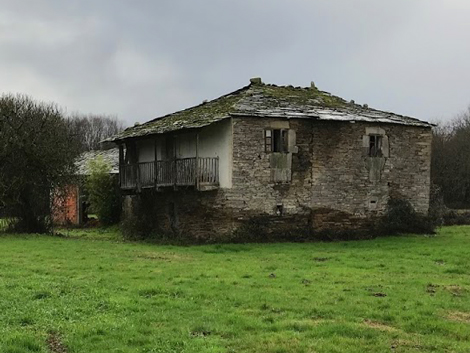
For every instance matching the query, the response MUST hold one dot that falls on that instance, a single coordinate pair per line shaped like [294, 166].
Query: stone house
[291, 158]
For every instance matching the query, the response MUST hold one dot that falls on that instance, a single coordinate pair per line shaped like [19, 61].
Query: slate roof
[271, 101]
[111, 156]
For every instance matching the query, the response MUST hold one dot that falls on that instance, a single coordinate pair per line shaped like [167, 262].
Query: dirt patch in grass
[459, 316]
[161, 256]
[200, 332]
[55, 344]
[379, 326]
[399, 344]
[321, 259]
[456, 290]
[432, 288]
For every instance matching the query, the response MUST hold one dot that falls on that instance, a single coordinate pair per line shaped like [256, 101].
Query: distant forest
[92, 129]
[450, 165]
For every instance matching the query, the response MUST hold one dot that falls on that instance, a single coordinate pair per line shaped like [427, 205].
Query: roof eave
[118, 139]
[294, 115]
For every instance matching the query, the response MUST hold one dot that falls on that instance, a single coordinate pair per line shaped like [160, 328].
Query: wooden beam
[175, 172]
[197, 161]
[155, 161]
[121, 171]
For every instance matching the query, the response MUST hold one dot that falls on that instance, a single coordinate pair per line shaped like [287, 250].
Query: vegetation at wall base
[456, 217]
[400, 218]
[90, 292]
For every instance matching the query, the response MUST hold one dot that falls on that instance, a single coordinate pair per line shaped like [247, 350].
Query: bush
[103, 192]
[400, 217]
[456, 217]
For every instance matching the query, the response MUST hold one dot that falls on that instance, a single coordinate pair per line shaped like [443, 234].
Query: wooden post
[137, 169]
[175, 171]
[155, 176]
[122, 172]
[217, 175]
[197, 162]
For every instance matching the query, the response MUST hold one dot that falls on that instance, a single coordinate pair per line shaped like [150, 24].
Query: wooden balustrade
[177, 172]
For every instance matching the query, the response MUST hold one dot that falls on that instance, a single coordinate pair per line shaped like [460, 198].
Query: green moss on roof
[258, 99]
[194, 117]
[303, 96]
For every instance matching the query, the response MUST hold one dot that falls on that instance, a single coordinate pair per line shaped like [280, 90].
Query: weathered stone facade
[334, 184]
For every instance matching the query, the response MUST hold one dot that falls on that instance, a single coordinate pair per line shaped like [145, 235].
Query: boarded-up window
[276, 140]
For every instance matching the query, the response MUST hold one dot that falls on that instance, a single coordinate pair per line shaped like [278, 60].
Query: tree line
[91, 129]
[450, 161]
[39, 144]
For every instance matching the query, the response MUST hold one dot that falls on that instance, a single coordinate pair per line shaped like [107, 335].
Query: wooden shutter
[291, 140]
[385, 147]
[365, 145]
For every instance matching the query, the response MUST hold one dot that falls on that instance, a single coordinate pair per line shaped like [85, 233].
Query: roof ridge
[268, 100]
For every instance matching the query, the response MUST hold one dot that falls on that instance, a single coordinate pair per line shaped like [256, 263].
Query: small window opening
[279, 209]
[276, 140]
[375, 146]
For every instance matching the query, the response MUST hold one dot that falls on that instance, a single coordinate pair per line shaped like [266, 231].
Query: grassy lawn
[92, 293]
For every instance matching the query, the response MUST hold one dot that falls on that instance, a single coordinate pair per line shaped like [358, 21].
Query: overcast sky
[139, 59]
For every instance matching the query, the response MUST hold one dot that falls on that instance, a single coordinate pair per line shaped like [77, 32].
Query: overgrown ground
[92, 293]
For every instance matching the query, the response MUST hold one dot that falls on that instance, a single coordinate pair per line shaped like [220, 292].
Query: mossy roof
[271, 101]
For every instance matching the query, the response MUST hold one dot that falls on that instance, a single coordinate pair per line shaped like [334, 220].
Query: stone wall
[334, 185]
[341, 172]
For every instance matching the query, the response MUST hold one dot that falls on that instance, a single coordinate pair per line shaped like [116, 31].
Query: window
[276, 141]
[375, 146]
[375, 143]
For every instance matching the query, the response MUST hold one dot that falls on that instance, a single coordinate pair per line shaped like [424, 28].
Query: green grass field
[90, 292]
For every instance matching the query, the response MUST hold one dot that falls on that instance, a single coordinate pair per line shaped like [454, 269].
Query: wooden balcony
[201, 173]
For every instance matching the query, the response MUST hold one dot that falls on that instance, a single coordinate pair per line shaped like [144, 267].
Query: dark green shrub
[456, 217]
[400, 217]
[437, 207]
[103, 192]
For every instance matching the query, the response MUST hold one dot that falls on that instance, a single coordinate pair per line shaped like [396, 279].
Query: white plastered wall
[216, 140]
[185, 145]
[146, 150]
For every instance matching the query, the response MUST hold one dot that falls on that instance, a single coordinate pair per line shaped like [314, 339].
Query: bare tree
[91, 129]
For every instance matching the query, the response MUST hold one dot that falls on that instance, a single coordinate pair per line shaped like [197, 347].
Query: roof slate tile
[271, 101]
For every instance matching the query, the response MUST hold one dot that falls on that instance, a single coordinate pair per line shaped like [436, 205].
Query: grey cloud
[140, 59]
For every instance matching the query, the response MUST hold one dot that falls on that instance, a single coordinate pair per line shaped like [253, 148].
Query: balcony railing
[197, 172]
